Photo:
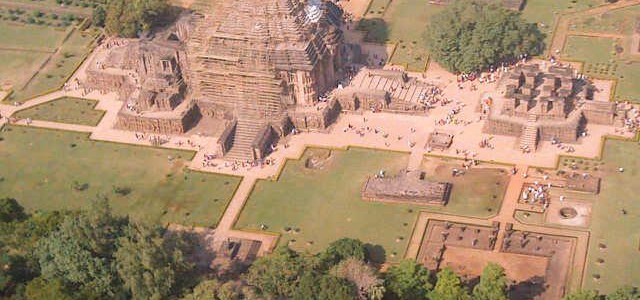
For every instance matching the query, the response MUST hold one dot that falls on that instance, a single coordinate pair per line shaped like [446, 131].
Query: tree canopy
[127, 18]
[493, 284]
[11, 211]
[472, 35]
[408, 280]
[449, 287]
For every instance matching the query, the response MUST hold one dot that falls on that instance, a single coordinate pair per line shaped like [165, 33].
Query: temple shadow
[376, 30]
[376, 254]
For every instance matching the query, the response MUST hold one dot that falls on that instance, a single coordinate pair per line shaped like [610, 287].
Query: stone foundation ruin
[406, 187]
[386, 90]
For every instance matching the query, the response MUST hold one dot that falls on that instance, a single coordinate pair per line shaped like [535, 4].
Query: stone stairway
[529, 137]
[245, 133]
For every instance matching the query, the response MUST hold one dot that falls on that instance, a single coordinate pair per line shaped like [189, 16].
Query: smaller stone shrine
[406, 187]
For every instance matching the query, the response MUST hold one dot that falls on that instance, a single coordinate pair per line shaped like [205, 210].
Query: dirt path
[562, 26]
[225, 229]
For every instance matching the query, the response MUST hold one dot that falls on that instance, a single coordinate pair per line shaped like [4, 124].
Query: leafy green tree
[207, 289]
[80, 252]
[42, 289]
[343, 249]
[149, 264]
[11, 210]
[471, 35]
[314, 286]
[128, 17]
[408, 280]
[624, 293]
[493, 284]
[99, 16]
[449, 287]
[583, 295]
[277, 274]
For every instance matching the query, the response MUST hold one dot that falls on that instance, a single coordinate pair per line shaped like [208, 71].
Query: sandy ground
[470, 262]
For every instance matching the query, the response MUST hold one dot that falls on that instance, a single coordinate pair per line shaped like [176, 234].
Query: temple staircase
[245, 133]
[529, 137]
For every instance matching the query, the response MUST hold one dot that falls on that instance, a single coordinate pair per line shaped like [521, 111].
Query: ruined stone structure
[549, 104]
[442, 234]
[259, 67]
[439, 140]
[264, 64]
[385, 90]
[147, 75]
[583, 183]
[408, 186]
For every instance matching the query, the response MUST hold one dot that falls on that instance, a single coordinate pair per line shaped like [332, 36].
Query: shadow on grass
[377, 30]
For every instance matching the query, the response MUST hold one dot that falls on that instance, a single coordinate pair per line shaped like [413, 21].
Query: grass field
[17, 66]
[404, 23]
[621, 21]
[590, 49]
[545, 12]
[326, 204]
[58, 69]
[30, 37]
[610, 226]
[49, 169]
[65, 110]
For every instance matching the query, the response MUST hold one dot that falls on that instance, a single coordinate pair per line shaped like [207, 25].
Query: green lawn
[628, 88]
[48, 169]
[65, 110]
[62, 64]
[31, 37]
[620, 21]
[326, 204]
[590, 49]
[544, 12]
[405, 23]
[619, 232]
[377, 8]
[18, 66]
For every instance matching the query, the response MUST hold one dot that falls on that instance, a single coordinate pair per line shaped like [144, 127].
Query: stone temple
[551, 104]
[253, 69]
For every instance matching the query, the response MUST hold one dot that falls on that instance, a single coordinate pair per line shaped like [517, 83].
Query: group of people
[363, 130]
[537, 193]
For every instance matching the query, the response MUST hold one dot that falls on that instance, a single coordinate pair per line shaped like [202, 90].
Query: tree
[42, 289]
[624, 293]
[363, 276]
[342, 249]
[149, 264]
[448, 287]
[99, 16]
[80, 252]
[314, 286]
[277, 274]
[128, 17]
[583, 295]
[11, 210]
[207, 289]
[408, 280]
[471, 35]
[493, 284]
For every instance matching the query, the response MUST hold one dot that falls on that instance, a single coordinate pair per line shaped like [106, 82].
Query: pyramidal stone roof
[249, 42]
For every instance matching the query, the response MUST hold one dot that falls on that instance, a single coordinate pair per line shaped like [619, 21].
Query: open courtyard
[531, 165]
